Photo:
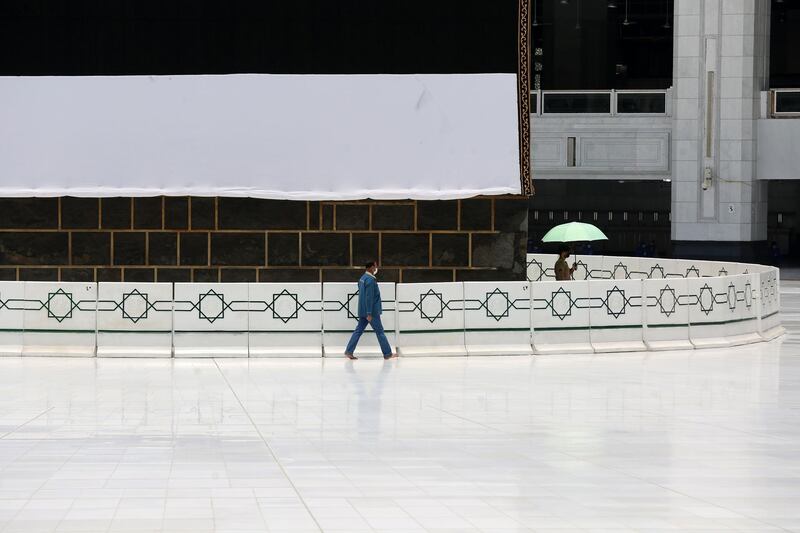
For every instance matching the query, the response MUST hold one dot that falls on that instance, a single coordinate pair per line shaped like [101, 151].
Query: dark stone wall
[176, 239]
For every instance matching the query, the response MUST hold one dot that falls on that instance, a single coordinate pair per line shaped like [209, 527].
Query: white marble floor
[700, 441]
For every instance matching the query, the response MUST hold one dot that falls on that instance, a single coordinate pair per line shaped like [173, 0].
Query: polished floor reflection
[688, 441]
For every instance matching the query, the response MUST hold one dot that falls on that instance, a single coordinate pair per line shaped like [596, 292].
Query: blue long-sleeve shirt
[369, 296]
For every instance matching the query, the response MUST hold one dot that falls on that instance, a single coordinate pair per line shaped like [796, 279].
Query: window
[603, 44]
[784, 61]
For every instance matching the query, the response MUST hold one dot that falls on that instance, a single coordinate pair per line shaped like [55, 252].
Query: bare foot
[390, 356]
[350, 356]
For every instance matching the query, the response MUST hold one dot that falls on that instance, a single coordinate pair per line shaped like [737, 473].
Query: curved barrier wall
[615, 304]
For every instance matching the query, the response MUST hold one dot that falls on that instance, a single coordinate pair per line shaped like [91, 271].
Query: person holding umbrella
[563, 270]
[570, 233]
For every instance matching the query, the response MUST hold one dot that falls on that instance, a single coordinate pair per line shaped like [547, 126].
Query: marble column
[721, 65]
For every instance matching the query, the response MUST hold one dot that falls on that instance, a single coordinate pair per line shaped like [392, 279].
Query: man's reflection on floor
[370, 394]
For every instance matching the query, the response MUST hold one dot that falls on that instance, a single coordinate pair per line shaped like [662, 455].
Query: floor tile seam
[616, 470]
[267, 445]
[496, 430]
[460, 417]
[366, 521]
[684, 419]
[675, 491]
[513, 519]
[33, 495]
[173, 433]
[11, 461]
[258, 387]
[397, 472]
[27, 422]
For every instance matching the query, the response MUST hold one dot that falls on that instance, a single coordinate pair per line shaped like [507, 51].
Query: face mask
[375, 272]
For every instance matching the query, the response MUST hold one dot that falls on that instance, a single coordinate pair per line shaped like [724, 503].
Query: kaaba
[295, 100]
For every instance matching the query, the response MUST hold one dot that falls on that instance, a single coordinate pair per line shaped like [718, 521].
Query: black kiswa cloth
[162, 37]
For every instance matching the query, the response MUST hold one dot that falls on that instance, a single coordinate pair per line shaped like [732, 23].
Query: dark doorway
[784, 218]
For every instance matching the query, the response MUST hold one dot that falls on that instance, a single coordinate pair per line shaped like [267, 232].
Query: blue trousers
[377, 327]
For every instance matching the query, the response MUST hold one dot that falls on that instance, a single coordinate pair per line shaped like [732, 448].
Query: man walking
[369, 312]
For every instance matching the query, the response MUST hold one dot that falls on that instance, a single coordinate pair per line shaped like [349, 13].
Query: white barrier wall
[59, 319]
[12, 304]
[211, 320]
[560, 316]
[708, 312]
[340, 316]
[657, 269]
[619, 268]
[616, 319]
[770, 302]
[285, 319]
[497, 318]
[590, 267]
[688, 269]
[134, 320]
[623, 304]
[430, 319]
[540, 267]
[743, 324]
[666, 314]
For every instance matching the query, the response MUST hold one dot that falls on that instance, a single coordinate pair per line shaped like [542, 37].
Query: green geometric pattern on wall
[668, 300]
[617, 301]
[350, 303]
[497, 305]
[431, 306]
[60, 305]
[284, 306]
[211, 306]
[134, 305]
[537, 271]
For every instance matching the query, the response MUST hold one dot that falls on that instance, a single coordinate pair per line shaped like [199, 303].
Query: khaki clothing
[563, 271]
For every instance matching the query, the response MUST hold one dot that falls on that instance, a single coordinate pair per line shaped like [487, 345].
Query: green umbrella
[574, 232]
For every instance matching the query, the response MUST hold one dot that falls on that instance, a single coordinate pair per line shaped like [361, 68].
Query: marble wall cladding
[59, 319]
[340, 316]
[666, 314]
[497, 318]
[560, 315]
[285, 319]
[211, 320]
[620, 146]
[12, 305]
[617, 317]
[430, 319]
[134, 320]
